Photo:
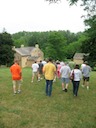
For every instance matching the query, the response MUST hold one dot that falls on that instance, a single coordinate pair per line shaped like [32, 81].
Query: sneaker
[82, 85]
[87, 87]
[63, 89]
[75, 95]
[15, 93]
[19, 91]
[66, 90]
[54, 80]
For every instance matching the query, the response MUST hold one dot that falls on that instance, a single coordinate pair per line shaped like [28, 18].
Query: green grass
[33, 109]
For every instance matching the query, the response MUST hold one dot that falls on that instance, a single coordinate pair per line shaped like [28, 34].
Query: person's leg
[41, 76]
[33, 74]
[73, 88]
[66, 88]
[87, 83]
[14, 86]
[83, 81]
[38, 76]
[19, 86]
[67, 83]
[47, 84]
[75, 82]
[76, 87]
[50, 87]
[63, 87]
[86, 79]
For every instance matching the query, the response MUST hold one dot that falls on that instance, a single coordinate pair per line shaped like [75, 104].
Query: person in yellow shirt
[49, 71]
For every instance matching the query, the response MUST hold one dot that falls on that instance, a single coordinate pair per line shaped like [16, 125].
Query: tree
[89, 45]
[6, 53]
[55, 46]
[21, 38]
[89, 6]
[52, 43]
[53, 1]
[33, 39]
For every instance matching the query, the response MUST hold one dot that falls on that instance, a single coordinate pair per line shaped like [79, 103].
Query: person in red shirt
[16, 72]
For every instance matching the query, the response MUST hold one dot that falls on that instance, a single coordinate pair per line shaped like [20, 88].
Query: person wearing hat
[65, 73]
[86, 75]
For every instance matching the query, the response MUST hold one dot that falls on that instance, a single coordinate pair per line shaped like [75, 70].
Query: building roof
[79, 56]
[24, 51]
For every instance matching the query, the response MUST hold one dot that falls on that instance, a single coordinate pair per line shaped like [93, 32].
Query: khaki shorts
[16, 82]
[34, 74]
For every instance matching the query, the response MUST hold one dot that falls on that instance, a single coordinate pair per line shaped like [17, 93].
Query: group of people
[37, 70]
[51, 71]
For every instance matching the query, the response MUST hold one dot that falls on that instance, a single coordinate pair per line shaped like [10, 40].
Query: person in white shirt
[44, 62]
[83, 65]
[65, 73]
[35, 67]
[86, 75]
[76, 80]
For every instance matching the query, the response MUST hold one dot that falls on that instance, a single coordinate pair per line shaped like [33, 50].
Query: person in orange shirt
[16, 72]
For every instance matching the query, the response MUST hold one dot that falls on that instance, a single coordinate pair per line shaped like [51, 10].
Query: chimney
[13, 48]
[36, 46]
[22, 46]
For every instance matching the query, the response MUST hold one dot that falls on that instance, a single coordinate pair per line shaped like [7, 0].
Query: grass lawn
[33, 109]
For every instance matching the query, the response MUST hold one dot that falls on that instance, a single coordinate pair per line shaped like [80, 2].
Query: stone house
[27, 55]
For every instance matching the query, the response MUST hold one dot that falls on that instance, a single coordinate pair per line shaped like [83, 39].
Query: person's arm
[80, 75]
[21, 73]
[43, 69]
[54, 70]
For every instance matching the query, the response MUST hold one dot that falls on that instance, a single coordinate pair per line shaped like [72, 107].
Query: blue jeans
[75, 87]
[49, 87]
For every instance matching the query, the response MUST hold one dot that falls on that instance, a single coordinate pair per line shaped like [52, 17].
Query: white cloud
[38, 15]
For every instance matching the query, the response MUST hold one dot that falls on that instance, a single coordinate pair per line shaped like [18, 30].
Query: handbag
[72, 76]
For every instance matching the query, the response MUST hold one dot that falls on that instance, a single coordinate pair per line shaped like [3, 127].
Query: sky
[40, 16]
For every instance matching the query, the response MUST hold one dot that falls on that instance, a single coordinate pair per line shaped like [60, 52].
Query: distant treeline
[56, 44]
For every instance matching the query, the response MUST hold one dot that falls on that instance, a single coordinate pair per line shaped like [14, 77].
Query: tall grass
[33, 109]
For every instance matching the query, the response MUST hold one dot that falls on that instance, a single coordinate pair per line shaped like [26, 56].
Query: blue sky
[39, 15]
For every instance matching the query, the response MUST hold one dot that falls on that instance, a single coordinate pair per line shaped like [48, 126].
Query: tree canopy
[89, 45]
[6, 53]
[57, 44]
